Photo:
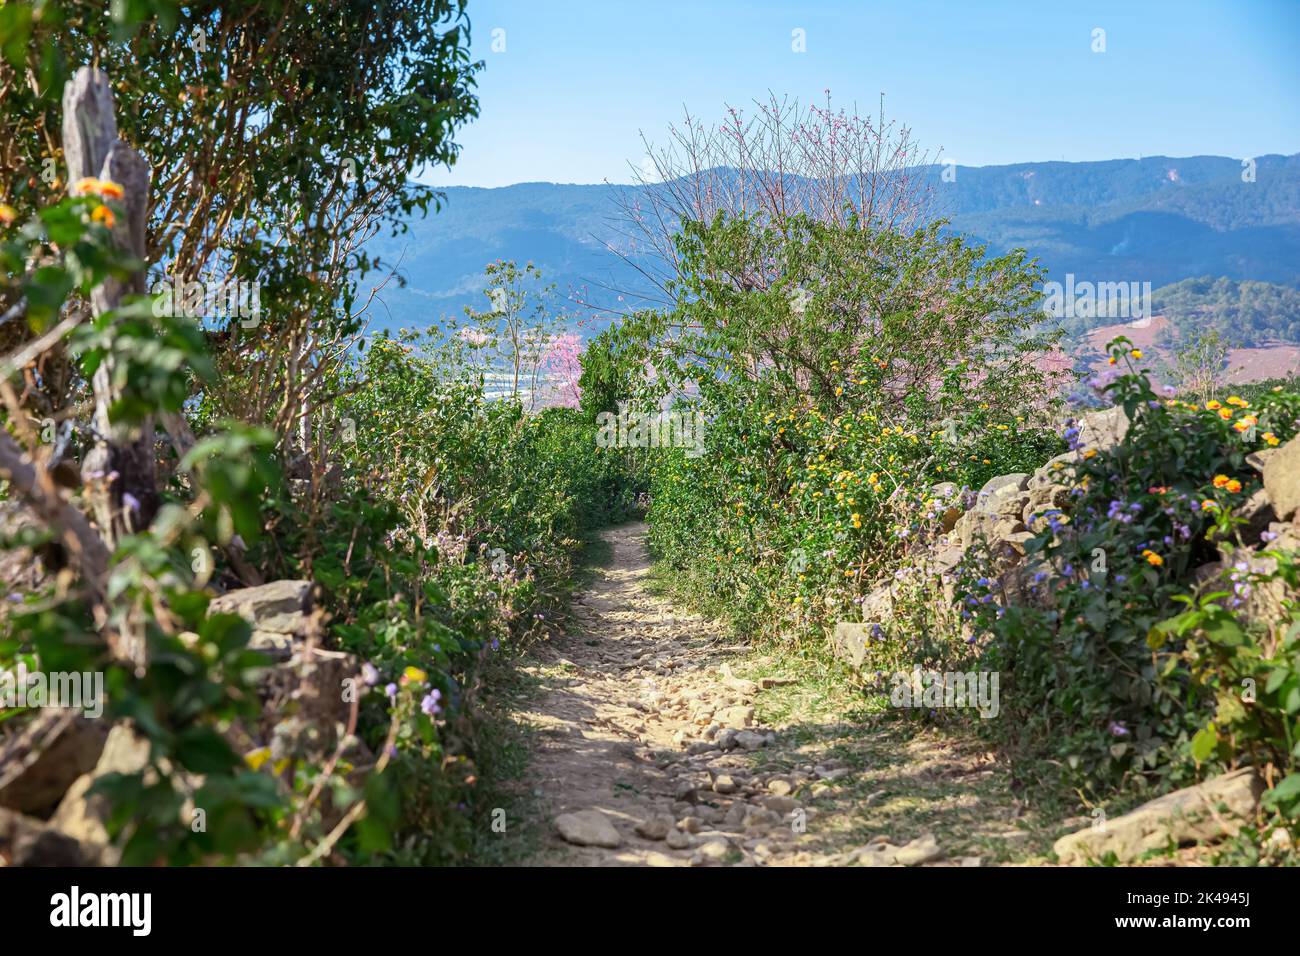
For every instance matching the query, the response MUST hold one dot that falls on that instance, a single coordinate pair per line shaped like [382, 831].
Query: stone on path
[921, 850]
[588, 828]
[679, 840]
[1200, 814]
[656, 827]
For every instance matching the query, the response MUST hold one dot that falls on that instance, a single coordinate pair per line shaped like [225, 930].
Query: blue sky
[988, 81]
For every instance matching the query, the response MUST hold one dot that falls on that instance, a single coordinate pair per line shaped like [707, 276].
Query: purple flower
[391, 691]
[131, 502]
[430, 703]
[369, 674]
[1267, 536]
[1117, 729]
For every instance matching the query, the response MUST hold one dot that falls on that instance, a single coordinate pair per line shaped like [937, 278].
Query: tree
[1199, 360]
[273, 155]
[831, 165]
[518, 328]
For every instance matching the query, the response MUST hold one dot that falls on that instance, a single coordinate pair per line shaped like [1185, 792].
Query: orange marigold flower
[1153, 559]
[103, 214]
[1212, 405]
[1234, 486]
[110, 190]
[1225, 413]
[87, 184]
[1221, 480]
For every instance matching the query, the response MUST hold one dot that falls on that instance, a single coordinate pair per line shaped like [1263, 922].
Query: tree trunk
[119, 471]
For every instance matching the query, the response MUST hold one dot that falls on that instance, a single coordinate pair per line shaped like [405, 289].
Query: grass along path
[657, 740]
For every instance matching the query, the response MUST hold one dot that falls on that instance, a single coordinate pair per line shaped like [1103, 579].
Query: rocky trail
[657, 740]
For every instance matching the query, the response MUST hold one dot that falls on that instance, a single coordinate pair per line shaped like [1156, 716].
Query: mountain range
[1157, 219]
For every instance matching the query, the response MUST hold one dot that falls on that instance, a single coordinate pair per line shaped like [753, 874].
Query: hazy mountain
[1157, 220]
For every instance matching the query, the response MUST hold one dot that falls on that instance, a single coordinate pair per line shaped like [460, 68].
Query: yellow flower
[413, 675]
[87, 184]
[1112, 360]
[1090, 453]
[1221, 480]
[1136, 353]
[839, 390]
[1234, 486]
[1212, 405]
[110, 190]
[1225, 413]
[1271, 438]
[103, 214]
[1238, 401]
[7, 214]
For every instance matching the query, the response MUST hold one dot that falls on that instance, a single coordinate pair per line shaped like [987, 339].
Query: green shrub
[1081, 684]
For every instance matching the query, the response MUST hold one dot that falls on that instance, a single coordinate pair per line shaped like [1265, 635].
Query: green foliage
[450, 539]
[865, 369]
[1244, 313]
[1080, 681]
[1245, 673]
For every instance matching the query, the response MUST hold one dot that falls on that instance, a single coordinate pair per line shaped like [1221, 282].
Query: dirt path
[658, 741]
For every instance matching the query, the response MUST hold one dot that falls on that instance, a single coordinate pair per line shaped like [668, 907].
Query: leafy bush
[865, 368]
[450, 537]
[1081, 682]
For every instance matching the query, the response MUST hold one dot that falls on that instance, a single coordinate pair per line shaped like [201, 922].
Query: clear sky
[986, 81]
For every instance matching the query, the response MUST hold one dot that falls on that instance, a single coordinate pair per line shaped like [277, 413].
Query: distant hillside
[1244, 312]
[1159, 220]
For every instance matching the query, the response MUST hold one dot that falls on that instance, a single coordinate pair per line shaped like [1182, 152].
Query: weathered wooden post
[119, 470]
